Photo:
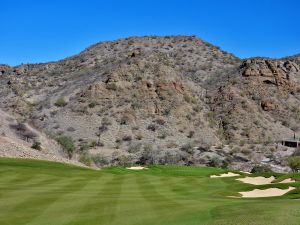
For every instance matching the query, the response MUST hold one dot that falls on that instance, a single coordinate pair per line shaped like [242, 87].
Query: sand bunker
[245, 172]
[229, 174]
[257, 180]
[270, 192]
[136, 168]
[288, 180]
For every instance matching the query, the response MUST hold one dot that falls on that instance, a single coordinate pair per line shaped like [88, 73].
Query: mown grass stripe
[35, 202]
[100, 207]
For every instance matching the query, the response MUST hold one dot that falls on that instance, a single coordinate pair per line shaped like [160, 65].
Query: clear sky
[40, 31]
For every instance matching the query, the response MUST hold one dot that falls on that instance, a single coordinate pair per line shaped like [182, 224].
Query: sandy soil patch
[136, 168]
[229, 174]
[270, 192]
[288, 180]
[257, 180]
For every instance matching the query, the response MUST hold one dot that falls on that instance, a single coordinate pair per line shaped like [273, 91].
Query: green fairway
[46, 193]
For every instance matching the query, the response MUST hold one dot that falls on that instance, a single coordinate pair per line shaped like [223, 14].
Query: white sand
[136, 168]
[229, 174]
[288, 180]
[245, 172]
[257, 180]
[270, 192]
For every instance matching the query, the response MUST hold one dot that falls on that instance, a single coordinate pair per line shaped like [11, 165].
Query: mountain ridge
[173, 99]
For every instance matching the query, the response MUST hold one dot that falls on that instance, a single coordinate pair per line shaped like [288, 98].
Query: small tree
[294, 163]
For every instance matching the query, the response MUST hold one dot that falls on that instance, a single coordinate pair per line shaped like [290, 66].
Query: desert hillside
[158, 100]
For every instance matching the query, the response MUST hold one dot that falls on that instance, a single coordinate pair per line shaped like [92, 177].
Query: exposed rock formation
[280, 73]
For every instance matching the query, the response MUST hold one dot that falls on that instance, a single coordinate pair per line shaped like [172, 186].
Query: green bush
[67, 144]
[60, 102]
[294, 163]
[36, 145]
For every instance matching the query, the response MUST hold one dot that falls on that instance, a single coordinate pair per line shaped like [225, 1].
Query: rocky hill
[174, 99]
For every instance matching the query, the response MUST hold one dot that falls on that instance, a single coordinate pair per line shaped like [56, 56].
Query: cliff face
[175, 97]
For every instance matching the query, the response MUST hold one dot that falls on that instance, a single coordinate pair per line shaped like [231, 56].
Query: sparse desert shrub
[85, 158]
[118, 140]
[105, 121]
[102, 129]
[126, 160]
[93, 143]
[124, 120]
[187, 98]
[220, 146]
[71, 129]
[172, 144]
[152, 127]
[139, 136]
[112, 86]
[136, 104]
[127, 138]
[84, 147]
[92, 104]
[60, 102]
[221, 133]
[135, 128]
[148, 147]
[210, 117]
[147, 156]
[261, 169]
[100, 144]
[242, 142]
[56, 126]
[246, 151]
[36, 145]
[22, 130]
[235, 150]
[100, 160]
[197, 108]
[215, 162]
[67, 144]
[189, 148]
[163, 135]
[160, 121]
[171, 157]
[189, 117]
[134, 148]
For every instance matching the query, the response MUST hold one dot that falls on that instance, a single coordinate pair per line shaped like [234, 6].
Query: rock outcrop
[277, 72]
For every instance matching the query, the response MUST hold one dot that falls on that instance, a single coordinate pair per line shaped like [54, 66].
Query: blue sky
[40, 31]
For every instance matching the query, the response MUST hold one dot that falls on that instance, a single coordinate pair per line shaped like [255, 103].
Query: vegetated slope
[158, 100]
[40, 193]
[20, 140]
